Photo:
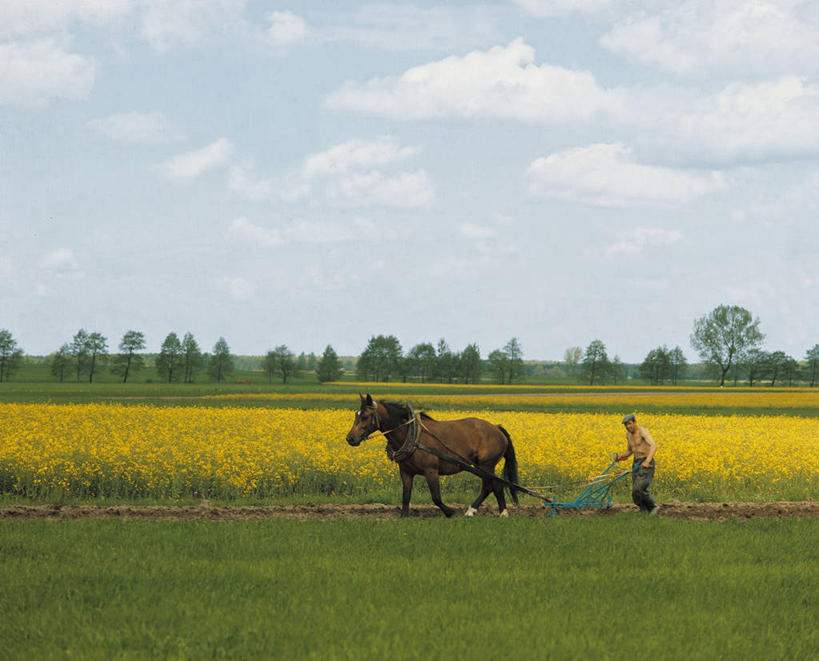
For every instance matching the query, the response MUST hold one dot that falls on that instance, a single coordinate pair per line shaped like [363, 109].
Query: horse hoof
[470, 512]
[505, 513]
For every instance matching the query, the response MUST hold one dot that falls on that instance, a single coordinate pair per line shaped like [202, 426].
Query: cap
[629, 418]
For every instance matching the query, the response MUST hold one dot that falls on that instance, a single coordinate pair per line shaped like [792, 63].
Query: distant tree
[60, 362]
[723, 336]
[269, 365]
[470, 364]
[284, 361]
[422, 360]
[679, 364]
[170, 359]
[499, 365]
[221, 362]
[301, 362]
[445, 362]
[595, 363]
[812, 358]
[656, 367]
[329, 366]
[756, 363]
[312, 362]
[790, 370]
[514, 352]
[191, 357]
[128, 360]
[380, 358]
[80, 352]
[617, 370]
[97, 353]
[776, 365]
[11, 356]
[572, 358]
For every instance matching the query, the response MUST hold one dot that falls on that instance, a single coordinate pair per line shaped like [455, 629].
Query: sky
[317, 173]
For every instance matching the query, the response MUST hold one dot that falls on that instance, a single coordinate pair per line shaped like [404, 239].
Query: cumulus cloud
[605, 175]
[503, 82]
[33, 18]
[244, 181]
[169, 23]
[474, 231]
[699, 37]
[356, 154]
[193, 163]
[266, 237]
[303, 231]
[135, 128]
[644, 237]
[552, 8]
[286, 28]
[32, 74]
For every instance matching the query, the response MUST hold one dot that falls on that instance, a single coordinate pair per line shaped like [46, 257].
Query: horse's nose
[352, 439]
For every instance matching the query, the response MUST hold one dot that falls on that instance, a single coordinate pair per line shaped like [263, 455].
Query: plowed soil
[207, 512]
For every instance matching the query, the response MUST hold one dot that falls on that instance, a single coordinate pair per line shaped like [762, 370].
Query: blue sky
[315, 173]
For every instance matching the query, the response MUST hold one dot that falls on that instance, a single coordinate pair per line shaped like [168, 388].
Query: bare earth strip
[207, 512]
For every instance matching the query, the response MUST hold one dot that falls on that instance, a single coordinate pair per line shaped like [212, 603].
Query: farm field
[484, 588]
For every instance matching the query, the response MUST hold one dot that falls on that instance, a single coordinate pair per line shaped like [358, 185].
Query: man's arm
[652, 447]
[627, 453]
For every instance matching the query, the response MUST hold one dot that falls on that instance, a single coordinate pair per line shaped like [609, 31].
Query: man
[643, 447]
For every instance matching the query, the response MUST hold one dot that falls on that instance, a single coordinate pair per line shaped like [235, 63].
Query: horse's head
[366, 421]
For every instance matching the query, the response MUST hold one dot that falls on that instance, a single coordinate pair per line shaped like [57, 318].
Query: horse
[471, 441]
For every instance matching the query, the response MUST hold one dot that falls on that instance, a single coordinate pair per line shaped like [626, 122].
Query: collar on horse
[410, 444]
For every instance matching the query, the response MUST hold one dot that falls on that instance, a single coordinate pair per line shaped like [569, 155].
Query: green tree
[220, 364]
[445, 362]
[776, 365]
[329, 366]
[128, 360]
[10, 355]
[595, 363]
[499, 365]
[80, 352]
[617, 370]
[812, 358]
[97, 353]
[191, 357]
[679, 364]
[514, 352]
[170, 358]
[756, 363]
[60, 362]
[422, 360]
[723, 336]
[284, 362]
[269, 366]
[379, 360]
[572, 358]
[656, 367]
[470, 364]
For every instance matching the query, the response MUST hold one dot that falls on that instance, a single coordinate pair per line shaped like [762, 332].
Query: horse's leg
[486, 488]
[435, 489]
[497, 488]
[406, 480]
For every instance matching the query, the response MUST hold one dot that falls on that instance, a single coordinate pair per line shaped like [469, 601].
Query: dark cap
[629, 418]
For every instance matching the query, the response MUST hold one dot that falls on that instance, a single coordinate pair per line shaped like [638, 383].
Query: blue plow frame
[596, 495]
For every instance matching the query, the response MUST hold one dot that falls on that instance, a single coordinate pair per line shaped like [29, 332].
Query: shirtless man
[643, 447]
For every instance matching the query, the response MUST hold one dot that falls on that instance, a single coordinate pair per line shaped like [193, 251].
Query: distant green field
[613, 587]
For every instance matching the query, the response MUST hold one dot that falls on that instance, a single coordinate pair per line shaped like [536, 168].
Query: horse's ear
[361, 396]
[369, 400]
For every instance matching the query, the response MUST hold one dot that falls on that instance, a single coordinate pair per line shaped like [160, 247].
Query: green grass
[606, 588]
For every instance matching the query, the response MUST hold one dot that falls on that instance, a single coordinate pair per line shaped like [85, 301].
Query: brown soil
[207, 512]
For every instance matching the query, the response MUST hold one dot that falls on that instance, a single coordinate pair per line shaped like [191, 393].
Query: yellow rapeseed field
[129, 451]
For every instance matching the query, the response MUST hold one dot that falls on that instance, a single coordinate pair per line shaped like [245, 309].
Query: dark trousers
[641, 480]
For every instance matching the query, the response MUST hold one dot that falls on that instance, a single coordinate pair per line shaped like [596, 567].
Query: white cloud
[32, 18]
[32, 74]
[474, 231]
[244, 181]
[286, 28]
[238, 288]
[604, 175]
[135, 128]
[551, 8]
[356, 154]
[168, 23]
[502, 83]
[59, 264]
[701, 37]
[193, 163]
[244, 228]
[403, 190]
[644, 237]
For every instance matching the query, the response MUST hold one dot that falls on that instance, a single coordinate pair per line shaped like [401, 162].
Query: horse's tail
[510, 466]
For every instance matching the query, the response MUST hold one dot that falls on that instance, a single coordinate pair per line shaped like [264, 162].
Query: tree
[790, 370]
[679, 364]
[595, 362]
[380, 359]
[499, 365]
[422, 360]
[221, 362]
[269, 365]
[756, 363]
[656, 367]
[812, 357]
[470, 364]
[10, 355]
[191, 357]
[97, 351]
[169, 360]
[61, 361]
[284, 362]
[79, 351]
[776, 365]
[572, 358]
[128, 360]
[514, 352]
[724, 336]
[329, 366]
[616, 369]
[445, 362]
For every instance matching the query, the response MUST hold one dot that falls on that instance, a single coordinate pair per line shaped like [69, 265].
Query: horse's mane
[400, 412]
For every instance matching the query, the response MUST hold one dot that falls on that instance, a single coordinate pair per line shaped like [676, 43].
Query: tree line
[728, 341]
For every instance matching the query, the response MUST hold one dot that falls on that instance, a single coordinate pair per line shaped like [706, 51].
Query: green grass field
[605, 588]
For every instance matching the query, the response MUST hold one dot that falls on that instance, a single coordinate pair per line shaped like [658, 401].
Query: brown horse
[471, 441]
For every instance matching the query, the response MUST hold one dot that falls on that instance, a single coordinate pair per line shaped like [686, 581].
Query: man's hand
[646, 464]
[620, 457]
